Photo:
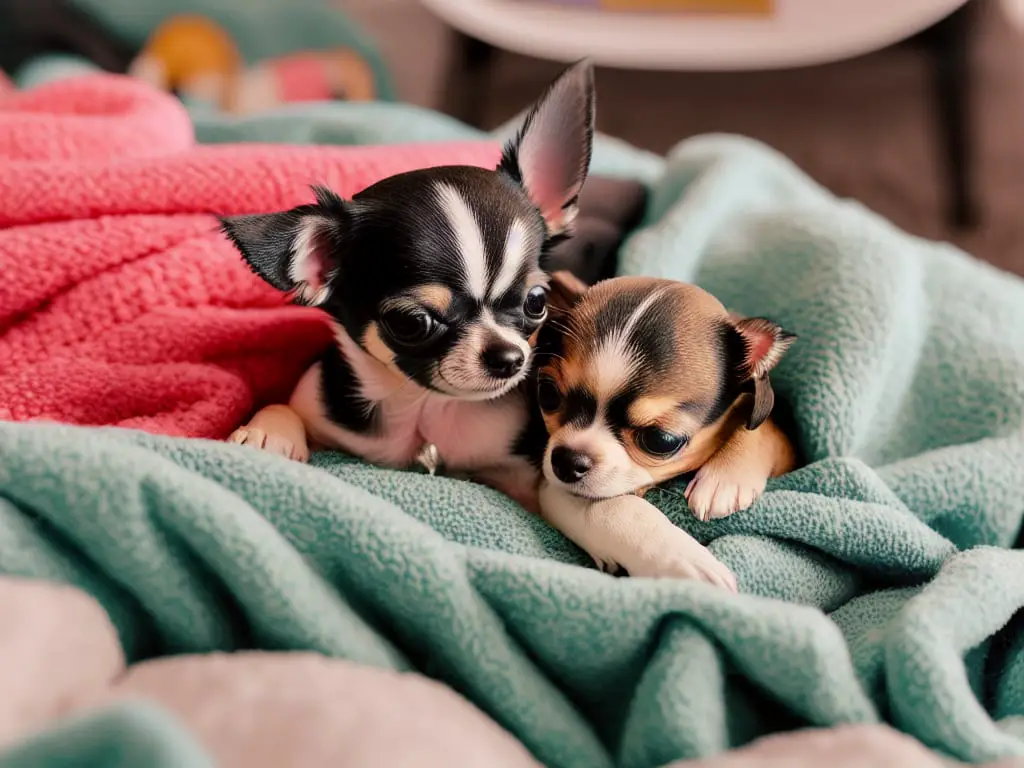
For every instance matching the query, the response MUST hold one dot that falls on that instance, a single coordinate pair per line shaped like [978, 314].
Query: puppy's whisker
[556, 356]
[558, 323]
[560, 327]
[566, 331]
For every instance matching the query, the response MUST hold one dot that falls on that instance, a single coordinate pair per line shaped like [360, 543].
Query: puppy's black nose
[503, 362]
[569, 465]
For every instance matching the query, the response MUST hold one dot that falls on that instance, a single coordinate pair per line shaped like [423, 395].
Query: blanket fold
[878, 581]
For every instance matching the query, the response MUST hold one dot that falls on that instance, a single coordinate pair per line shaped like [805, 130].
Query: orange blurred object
[192, 55]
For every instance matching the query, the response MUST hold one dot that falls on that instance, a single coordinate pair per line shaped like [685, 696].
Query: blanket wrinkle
[875, 581]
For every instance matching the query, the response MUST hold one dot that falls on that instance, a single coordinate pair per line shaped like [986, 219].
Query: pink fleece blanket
[120, 302]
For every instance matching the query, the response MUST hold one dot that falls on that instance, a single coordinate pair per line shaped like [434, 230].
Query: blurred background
[913, 107]
[866, 127]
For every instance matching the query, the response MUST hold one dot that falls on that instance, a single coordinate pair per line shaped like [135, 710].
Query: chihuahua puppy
[641, 380]
[434, 281]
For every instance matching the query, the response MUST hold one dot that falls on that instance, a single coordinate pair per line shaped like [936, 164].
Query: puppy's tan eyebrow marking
[648, 410]
[664, 411]
[433, 296]
[437, 296]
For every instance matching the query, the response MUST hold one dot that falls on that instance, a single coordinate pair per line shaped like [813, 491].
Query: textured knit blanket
[120, 302]
[878, 583]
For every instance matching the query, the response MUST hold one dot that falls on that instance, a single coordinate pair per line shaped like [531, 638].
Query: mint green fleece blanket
[877, 583]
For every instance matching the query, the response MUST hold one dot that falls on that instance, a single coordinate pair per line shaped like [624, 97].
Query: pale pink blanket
[120, 302]
[60, 656]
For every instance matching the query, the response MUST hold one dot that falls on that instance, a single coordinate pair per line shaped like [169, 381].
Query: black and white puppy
[435, 283]
[434, 280]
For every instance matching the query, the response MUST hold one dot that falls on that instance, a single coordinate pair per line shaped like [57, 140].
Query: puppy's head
[641, 379]
[438, 273]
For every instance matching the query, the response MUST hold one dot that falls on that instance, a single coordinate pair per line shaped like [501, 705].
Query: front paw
[605, 564]
[638, 538]
[271, 442]
[677, 559]
[719, 491]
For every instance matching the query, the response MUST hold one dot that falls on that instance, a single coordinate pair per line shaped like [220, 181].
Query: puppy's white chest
[472, 436]
[468, 436]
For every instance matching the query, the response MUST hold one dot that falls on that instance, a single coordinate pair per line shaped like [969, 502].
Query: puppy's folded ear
[564, 291]
[550, 155]
[763, 345]
[295, 250]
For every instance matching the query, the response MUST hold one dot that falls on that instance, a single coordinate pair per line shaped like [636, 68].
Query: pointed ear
[764, 344]
[550, 155]
[295, 250]
[565, 290]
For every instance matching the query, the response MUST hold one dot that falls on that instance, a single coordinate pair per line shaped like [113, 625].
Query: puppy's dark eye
[658, 442]
[536, 303]
[548, 396]
[409, 327]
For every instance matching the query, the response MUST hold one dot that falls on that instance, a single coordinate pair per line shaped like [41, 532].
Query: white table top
[799, 33]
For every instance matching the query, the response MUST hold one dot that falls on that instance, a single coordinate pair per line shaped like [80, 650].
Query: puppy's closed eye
[410, 327]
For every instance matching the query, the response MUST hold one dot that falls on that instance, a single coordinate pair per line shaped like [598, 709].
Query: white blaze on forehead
[614, 362]
[511, 260]
[469, 240]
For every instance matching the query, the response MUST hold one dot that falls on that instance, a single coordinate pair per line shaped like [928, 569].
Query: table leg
[468, 78]
[948, 47]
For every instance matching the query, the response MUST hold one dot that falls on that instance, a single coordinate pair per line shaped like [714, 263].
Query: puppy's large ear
[763, 345]
[295, 250]
[550, 155]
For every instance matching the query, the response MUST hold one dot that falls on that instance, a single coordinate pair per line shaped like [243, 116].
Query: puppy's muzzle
[503, 361]
[570, 466]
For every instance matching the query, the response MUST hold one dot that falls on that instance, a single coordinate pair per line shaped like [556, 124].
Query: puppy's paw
[717, 491]
[605, 564]
[635, 536]
[677, 558]
[271, 442]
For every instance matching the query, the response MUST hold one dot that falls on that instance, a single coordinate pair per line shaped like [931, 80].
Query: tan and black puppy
[641, 380]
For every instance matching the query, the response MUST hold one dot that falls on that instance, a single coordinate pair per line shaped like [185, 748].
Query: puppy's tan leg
[735, 475]
[628, 532]
[275, 429]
